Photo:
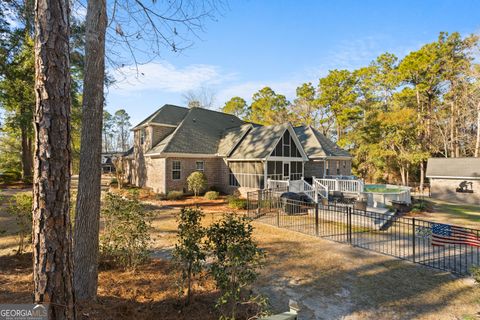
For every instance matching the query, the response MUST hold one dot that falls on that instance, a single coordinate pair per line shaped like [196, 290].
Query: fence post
[349, 224]
[316, 219]
[259, 201]
[248, 204]
[413, 239]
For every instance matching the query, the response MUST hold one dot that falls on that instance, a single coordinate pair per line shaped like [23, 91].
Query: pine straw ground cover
[327, 279]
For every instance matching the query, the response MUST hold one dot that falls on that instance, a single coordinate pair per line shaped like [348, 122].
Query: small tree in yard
[20, 206]
[236, 260]
[125, 237]
[188, 253]
[197, 181]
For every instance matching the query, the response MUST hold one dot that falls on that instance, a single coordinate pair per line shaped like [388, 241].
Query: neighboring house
[455, 179]
[107, 161]
[174, 141]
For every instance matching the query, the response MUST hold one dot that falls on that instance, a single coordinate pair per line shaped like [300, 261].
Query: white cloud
[164, 76]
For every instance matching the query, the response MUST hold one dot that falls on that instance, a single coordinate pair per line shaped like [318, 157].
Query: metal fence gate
[401, 237]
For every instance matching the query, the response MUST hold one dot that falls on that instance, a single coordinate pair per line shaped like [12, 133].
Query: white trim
[183, 155]
[177, 170]
[153, 124]
[284, 159]
[295, 139]
[203, 165]
[453, 178]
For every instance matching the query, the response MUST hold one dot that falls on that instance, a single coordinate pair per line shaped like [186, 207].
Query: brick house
[234, 155]
[454, 179]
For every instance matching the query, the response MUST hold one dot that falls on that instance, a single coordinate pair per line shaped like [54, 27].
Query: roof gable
[316, 145]
[168, 114]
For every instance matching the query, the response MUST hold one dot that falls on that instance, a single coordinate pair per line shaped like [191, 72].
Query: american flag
[443, 234]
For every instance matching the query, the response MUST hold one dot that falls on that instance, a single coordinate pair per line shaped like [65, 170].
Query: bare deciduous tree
[136, 32]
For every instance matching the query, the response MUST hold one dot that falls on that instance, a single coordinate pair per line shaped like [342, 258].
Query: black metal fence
[401, 237]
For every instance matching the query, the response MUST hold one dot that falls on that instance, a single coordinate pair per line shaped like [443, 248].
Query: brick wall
[214, 169]
[445, 189]
[155, 174]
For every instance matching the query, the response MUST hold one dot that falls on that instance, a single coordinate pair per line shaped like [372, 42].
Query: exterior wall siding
[155, 174]
[344, 171]
[445, 189]
[314, 169]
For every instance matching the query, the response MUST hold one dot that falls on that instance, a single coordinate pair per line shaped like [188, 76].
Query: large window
[200, 166]
[176, 170]
[286, 147]
[327, 168]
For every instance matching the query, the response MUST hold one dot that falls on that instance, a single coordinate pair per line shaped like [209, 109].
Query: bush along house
[234, 155]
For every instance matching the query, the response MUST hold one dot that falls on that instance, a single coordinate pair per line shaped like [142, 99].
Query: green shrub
[126, 236]
[237, 203]
[20, 206]
[113, 181]
[161, 196]
[189, 253]
[419, 206]
[236, 260]
[475, 272]
[212, 195]
[196, 182]
[213, 188]
[8, 177]
[175, 195]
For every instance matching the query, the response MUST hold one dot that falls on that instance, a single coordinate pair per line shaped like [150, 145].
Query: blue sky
[285, 43]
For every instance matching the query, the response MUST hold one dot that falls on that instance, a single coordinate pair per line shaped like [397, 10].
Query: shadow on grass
[351, 281]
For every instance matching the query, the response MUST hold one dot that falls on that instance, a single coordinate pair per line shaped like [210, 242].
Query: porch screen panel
[248, 174]
[295, 170]
[286, 147]
[275, 170]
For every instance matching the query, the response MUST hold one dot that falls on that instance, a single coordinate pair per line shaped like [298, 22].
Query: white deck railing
[300, 186]
[342, 184]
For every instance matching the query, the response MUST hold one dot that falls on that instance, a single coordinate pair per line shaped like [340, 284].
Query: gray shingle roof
[259, 142]
[453, 168]
[316, 145]
[230, 138]
[201, 132]
[168, 114]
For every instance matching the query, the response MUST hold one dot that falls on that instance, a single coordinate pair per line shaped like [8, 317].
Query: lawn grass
[465, 215]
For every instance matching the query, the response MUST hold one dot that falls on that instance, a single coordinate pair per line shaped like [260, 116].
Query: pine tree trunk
[422, 174]
[52, 250]
[26, 155]
[88, 199]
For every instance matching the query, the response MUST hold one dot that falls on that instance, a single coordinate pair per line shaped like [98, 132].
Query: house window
[200, 165]
[176, 170]
[327, 168]
[142, 136]
[338, 168]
